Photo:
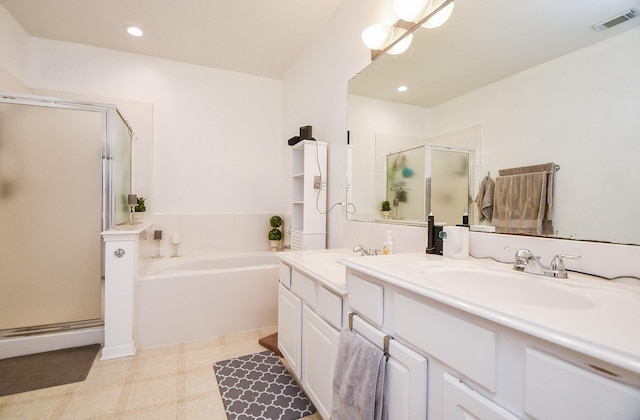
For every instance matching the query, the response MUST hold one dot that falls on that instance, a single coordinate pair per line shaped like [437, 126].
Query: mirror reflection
[538, 84]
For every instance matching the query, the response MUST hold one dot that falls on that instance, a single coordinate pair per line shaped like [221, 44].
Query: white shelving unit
[309, 195]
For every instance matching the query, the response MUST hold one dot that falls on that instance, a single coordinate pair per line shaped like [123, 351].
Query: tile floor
[172, 382]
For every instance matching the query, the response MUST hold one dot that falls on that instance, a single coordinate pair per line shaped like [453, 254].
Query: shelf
[308, 225]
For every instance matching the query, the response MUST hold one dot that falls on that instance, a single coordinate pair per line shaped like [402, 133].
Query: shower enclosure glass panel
[122, 170]
[50, 215]
[449, 184]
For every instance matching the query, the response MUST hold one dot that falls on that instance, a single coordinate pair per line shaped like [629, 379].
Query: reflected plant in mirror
[547, 87]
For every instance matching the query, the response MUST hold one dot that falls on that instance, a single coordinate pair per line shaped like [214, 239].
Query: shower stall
[64, 175]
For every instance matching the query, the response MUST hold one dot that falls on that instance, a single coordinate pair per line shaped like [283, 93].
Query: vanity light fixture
[377, 36]
[134, 31]
[411, 10]
[439, 18]
[395, 39]
[404, 41]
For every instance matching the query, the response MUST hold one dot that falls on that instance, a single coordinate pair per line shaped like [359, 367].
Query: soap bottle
[387, 246]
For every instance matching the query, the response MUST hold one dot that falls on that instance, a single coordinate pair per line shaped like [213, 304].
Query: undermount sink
[507, 287]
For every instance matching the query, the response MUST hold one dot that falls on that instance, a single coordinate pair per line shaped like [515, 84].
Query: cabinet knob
[119, 252]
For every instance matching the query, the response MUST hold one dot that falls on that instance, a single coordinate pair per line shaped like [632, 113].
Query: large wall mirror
[516, 84]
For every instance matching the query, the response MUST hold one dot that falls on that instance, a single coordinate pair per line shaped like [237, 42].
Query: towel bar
[385, 340]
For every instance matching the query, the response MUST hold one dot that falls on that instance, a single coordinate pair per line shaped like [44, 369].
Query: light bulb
[377, 36]
[133, 30]
[411, 10]
[403, 44]
[439, 18]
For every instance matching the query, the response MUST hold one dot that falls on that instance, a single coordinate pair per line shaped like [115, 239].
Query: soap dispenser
[431, 220]
[387, 246]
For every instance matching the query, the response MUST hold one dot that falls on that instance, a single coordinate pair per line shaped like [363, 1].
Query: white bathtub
[189, 298]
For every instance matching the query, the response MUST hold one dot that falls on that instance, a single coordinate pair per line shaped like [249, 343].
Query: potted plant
[140, 209]
[385, 208]
[275, 234]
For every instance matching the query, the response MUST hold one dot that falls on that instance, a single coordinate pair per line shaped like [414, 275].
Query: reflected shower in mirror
[539, 84]
[428, 179]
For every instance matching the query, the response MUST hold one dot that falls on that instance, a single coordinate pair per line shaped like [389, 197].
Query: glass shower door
[50, 216]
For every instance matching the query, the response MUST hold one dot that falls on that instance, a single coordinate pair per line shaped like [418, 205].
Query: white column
[120, 268]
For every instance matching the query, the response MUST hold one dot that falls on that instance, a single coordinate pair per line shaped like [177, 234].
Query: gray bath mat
[44, 370]
[258, 386]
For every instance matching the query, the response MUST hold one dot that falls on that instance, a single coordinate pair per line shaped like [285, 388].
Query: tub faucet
[363, 250]
[529, 263]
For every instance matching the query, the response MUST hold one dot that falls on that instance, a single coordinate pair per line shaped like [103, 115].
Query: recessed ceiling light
[402, 88]
[133, 30]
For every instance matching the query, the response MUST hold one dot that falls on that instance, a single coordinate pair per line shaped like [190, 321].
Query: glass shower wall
[53, 195]
[122, 170]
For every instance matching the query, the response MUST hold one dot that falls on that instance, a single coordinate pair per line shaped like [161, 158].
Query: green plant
[275, 234]
[140, 207]
[275, 221]
[385, 206]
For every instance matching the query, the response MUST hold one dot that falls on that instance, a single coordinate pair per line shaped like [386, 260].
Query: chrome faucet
[363, 250]
[527, 262]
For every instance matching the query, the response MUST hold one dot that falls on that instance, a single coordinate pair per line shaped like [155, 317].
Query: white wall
[216, 133]
[315, 93]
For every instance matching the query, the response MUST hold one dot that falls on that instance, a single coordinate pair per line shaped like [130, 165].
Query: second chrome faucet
[527, 262]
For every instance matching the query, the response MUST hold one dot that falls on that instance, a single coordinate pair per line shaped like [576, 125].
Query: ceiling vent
[616, 20]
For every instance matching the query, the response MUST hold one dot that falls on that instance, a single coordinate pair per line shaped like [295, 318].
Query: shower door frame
[108, 115]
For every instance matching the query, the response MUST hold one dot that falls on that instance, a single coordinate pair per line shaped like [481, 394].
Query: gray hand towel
[358, 380]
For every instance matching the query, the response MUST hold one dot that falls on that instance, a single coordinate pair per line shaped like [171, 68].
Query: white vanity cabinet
[406, 373]
[407, 370]
[483, 369]
[309, 323]
[319, 352]
[290, 328]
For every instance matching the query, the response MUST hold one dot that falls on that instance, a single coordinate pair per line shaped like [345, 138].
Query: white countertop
[321, 264]
[607, 327]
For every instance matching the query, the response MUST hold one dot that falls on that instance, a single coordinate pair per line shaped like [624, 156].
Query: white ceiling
[249, 36]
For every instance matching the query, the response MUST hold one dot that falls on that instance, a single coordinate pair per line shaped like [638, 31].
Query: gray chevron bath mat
[258, 386]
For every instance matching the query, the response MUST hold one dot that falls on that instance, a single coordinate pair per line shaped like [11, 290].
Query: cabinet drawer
[304, 287]
[557, 389]
[366, 298]
[466, 347]
[329, 306]
[285, 275]
[461, 402]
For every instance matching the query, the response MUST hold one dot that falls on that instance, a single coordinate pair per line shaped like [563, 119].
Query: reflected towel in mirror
[484, 199]
[523, 200]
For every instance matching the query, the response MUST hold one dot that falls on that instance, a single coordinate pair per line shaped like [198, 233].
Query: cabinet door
[319, 351]
[406, 375]
[406, 383]
[290, 327]
[459, 402]
[555, 389]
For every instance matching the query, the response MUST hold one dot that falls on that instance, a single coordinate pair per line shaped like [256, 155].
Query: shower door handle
[119, 252]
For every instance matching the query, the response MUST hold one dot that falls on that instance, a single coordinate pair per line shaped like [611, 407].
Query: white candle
[175, 238]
